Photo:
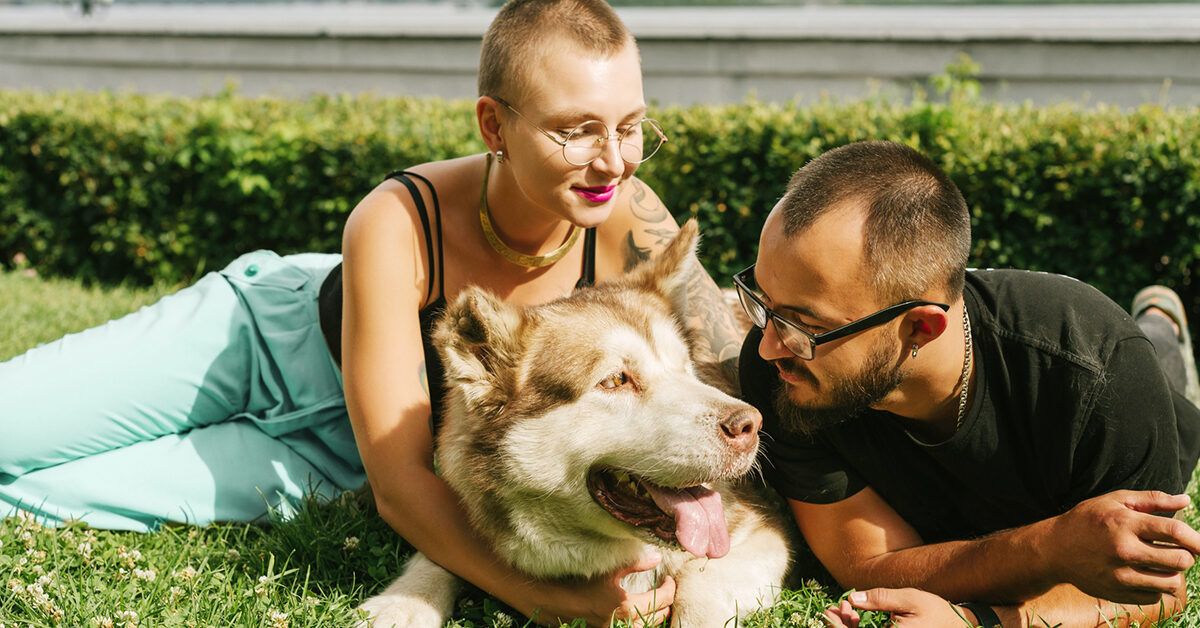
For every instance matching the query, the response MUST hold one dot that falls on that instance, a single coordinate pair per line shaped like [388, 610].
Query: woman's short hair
[523, 28]
[917, 230]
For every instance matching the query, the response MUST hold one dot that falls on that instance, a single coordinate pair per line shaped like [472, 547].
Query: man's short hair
[917, 230]
[522, 27]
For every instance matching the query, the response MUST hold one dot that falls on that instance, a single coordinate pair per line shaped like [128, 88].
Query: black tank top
[329, 305]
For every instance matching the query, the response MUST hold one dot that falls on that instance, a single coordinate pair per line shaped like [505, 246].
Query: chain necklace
[507, 252]
[966, 371]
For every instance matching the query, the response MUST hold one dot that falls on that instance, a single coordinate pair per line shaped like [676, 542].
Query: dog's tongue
[699, 518]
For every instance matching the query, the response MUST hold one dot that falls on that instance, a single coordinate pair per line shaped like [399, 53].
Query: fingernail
[858, 597]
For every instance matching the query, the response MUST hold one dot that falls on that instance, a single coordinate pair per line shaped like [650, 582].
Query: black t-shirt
[1069, 403]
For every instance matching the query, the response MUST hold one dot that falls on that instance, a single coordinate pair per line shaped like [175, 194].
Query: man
[1002, 439]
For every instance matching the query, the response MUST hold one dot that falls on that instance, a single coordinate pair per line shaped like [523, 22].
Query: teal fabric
[213, 404]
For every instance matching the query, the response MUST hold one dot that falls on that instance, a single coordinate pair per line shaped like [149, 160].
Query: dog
[577, 433]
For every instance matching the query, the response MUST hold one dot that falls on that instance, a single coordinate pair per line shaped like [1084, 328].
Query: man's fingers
[1144, 586]
[1172, 532]
[1152, 557]
[883, 599]
[842, 616]
[1153, 501]
[833, 619]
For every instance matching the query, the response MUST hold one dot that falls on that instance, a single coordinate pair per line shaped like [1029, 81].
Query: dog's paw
[400, 611]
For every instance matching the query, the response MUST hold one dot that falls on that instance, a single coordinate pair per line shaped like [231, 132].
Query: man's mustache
[792, 367]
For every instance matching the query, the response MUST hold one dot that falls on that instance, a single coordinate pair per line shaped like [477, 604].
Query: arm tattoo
[710, 316]
[634, 254]
[662, 236]
[646, 206]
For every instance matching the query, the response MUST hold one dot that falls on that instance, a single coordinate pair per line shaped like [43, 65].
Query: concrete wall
[1117, 54]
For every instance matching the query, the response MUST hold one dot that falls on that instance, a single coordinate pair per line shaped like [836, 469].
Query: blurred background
[711, 51]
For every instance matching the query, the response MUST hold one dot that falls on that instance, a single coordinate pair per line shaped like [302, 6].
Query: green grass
[309, 571]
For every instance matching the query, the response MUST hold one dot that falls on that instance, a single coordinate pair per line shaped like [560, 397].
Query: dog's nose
[740, 428]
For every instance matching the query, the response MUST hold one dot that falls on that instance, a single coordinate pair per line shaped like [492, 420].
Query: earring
[914, 350]
[500, 156]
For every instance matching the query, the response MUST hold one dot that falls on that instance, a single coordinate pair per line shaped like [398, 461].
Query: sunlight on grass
[309, 571]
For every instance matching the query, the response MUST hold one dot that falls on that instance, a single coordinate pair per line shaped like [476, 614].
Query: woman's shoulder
[394, 206]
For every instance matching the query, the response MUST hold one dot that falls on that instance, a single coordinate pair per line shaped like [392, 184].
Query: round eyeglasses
[801, 342]
[585, 143]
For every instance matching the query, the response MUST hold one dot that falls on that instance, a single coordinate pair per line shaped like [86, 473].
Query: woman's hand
[600, 600]
[909, 607]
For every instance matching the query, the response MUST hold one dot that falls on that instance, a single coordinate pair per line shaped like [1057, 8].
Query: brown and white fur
[544, 404]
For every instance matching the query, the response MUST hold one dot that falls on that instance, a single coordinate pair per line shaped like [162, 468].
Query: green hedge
[124, 187]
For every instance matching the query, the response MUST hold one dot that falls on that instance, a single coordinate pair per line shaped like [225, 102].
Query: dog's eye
[615, 381]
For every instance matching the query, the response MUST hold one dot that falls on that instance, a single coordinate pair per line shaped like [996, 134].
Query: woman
[228, 391]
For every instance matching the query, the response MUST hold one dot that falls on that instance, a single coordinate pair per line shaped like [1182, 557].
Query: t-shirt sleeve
[1130, 437]
[800, 467]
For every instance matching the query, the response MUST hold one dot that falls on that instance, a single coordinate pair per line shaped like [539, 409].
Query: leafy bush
[127, 187]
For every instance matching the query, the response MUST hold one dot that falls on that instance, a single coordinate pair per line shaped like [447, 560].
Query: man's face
[815, 279]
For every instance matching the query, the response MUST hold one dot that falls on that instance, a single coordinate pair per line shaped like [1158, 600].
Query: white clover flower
[260, 589]
[38, 594]
[233, 554]
[84, 549]
[145, 574]
[503, 620]
[15, 586]
[350, 544]
[129, 617]
[102, 622]
[187, 573]
[278, 619]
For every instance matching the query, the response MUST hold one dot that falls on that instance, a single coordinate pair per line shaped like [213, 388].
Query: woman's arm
[388, 402]
[644, 229]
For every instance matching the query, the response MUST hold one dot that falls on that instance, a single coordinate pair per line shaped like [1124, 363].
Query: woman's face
[568, 88]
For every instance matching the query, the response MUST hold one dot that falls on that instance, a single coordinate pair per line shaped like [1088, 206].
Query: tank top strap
[433, 251]
[588, 275]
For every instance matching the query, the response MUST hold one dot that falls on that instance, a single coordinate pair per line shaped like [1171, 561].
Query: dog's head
[584, 417]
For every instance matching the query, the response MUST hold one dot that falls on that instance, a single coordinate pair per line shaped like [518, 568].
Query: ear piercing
[914, 350]
[500, 156]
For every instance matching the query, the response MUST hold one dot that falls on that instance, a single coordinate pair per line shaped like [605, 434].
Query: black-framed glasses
[585, 143]
[799, 341]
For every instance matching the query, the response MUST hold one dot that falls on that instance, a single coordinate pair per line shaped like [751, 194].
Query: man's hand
[1114, 548]
[909, 607]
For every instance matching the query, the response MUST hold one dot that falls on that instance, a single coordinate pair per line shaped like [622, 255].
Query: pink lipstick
[598, 194]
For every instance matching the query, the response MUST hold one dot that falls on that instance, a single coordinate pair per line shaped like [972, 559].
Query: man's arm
[1109, 546]
[1062, 606]
[1066, 606]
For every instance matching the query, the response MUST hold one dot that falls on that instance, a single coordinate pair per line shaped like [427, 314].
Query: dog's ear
[477, 337]
[669, 271]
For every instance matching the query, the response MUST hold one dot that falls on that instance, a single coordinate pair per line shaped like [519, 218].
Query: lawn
[311, 570]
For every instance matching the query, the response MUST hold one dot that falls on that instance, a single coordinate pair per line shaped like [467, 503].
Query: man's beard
[849, 396]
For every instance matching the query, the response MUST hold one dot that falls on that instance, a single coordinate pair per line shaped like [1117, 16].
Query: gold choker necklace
[507, 252]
